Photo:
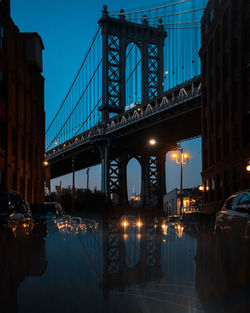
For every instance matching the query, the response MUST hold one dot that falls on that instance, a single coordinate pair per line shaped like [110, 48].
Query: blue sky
[67, 29]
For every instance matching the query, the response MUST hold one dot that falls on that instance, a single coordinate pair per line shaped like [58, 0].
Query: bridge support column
[47, 178]
[123, 188]
[162, 176]
[105, 168]
[114, 175]
[145, 188]
[117, 179]
[153, 180]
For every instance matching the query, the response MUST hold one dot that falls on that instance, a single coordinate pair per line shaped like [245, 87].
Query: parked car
[47, 209]
[234, 217]
[173, 219]
[197, 220]
[12, 204]
[15, 213]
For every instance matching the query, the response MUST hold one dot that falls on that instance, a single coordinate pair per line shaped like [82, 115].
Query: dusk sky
[67, 29]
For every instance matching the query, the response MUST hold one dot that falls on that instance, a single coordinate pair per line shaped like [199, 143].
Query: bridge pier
[114, 175]
[153, 184]
[104, 169]
[47, 178]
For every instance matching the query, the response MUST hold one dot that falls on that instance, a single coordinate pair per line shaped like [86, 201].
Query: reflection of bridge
[121, 269]
[21, 256]
[119, 135]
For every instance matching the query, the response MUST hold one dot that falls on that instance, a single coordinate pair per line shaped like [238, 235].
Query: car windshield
[4, 199]
[245, 199]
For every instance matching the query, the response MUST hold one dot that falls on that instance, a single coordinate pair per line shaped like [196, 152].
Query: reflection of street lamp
[183, 160]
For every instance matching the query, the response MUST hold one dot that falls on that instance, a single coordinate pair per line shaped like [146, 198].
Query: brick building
[225, 62]
[22, 117]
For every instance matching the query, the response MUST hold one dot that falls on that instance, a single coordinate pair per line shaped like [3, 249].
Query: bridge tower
[117, 34]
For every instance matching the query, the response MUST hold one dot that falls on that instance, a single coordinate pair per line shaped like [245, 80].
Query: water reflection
[131, 259]
[22, 254]
[119, 264]
[73, 225]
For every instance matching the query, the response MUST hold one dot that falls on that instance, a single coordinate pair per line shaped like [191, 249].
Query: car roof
[239, 192]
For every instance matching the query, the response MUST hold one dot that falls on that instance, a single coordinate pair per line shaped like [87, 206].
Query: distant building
[225, 72]
[172, 201]
[22, 117]
[135, 199]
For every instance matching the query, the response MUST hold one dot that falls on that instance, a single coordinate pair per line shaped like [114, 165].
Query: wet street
[121, 264]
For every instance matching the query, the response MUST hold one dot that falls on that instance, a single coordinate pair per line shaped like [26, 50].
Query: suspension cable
[131, 73]
[87, 54]
[87, 117]
[147, 10]
[194, 27]
[86, 88]
[174, 14]
[181, 23]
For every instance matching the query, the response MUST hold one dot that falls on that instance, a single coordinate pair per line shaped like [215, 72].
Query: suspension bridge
[139, 79]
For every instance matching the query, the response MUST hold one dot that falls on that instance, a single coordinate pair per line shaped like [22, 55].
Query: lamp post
[182, 160]
[87, 172]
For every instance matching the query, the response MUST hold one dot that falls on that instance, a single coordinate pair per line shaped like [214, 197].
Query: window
[232, 202]
[211, 15]
[1, 37]
[23, 147]
[228, 205]
[3, 134]
[217, 39]
[244, 199]
[14, 142]
[235, 202]
[226, 143]
[3, 86]
[225, 26]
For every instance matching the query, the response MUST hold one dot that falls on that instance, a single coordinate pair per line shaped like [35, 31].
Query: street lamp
[248, 167]
[182, 160]
[152, 142]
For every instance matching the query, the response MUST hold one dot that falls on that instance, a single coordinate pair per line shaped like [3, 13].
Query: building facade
[225, 69]
[172, 201]
[22, 117]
